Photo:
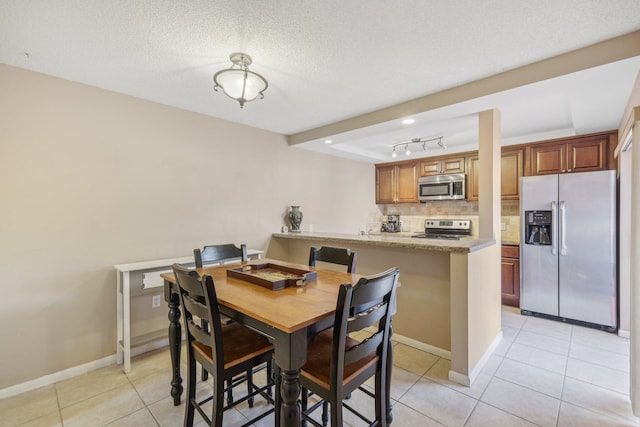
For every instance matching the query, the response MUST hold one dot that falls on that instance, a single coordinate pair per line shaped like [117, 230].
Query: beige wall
[91, 178]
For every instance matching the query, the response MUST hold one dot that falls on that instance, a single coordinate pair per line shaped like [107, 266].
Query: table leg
[126, 314]
[175, 341]
[289, 391]
[120, 321]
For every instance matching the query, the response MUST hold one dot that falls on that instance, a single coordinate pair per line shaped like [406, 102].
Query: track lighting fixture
[423, 141]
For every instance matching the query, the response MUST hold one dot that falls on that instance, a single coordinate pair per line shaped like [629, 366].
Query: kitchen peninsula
[449, 298]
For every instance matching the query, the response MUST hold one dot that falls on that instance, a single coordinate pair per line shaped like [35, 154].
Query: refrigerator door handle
[554, 226]
[563, 244]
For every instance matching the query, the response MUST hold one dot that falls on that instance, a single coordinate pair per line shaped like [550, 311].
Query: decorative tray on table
[272, 276]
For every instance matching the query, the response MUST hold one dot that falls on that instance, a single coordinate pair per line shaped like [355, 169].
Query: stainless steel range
[452, 229]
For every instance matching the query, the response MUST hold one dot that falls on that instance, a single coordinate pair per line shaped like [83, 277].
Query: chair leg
[325, 413]
[230, 392]
[336, 413]
[270, 376]
[381, 398]
[250, 386]
[389, 368]
[277, 397]
[191, 393]
[304, 404]
[218, 404]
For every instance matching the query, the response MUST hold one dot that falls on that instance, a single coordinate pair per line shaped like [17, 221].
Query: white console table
[138, 278]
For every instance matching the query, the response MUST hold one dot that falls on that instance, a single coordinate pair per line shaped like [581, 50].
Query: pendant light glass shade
[238, 82]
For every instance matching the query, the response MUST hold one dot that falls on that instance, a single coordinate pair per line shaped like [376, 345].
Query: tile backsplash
[413, 215]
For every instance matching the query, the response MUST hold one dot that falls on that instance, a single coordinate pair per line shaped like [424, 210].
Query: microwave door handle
[451, 195]
[554, 228]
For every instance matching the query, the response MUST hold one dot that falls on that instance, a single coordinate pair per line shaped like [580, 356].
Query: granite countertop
[398, 240]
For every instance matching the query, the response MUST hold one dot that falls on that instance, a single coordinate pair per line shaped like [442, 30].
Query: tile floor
[544, 373]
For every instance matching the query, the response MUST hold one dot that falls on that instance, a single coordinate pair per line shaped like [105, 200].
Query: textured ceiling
[325, 61]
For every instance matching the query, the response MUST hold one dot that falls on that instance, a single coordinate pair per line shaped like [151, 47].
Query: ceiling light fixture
[422, 141]
[238, 82]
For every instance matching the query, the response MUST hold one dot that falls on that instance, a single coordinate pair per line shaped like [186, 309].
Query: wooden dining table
[287, 317]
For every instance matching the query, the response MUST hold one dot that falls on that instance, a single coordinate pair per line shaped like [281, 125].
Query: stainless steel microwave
[442, 187]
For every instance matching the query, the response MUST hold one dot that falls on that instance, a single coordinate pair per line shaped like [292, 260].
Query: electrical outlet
[155, 302]
[503, 226]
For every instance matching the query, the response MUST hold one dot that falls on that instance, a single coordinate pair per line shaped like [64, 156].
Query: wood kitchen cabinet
[512, 165]
[569, 155]
[443, 165]
[397, 183]
[511, 275]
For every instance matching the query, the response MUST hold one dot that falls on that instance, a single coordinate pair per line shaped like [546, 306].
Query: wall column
[635, 267]
[489, 162]
[475, 277]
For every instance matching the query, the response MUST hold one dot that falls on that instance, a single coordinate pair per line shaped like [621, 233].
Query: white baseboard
[445, 354]
[474, 371]
[57, 376]
[150, 346]
[77, 370]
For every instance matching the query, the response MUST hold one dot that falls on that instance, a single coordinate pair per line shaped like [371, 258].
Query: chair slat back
[332, 255]
[364, 348]
[199, 302]
[359, 307]
[216, 253]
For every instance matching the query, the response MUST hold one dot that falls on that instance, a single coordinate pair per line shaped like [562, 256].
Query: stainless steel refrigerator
[568, 247]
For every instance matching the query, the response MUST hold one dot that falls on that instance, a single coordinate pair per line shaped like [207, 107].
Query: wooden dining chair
[211, 254]
[217, 253]
[340, 256]
[225, 352]
[334, 256]
[338, 364]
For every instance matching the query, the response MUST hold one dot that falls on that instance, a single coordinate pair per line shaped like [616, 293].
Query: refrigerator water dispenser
[538, 227]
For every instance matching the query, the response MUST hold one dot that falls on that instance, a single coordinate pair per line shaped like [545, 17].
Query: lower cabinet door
[511, 279]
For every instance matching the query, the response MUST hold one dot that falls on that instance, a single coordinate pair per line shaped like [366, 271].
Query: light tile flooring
[544, 373]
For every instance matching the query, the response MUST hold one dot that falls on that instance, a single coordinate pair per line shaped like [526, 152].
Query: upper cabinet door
[453, 165]
[512, 161]
[576, 154]
[512, 169]
[397, 183]
[548, 159]
[587, 155]
[442, 166]
[407, 184]
[385, 184]
[430, 167]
